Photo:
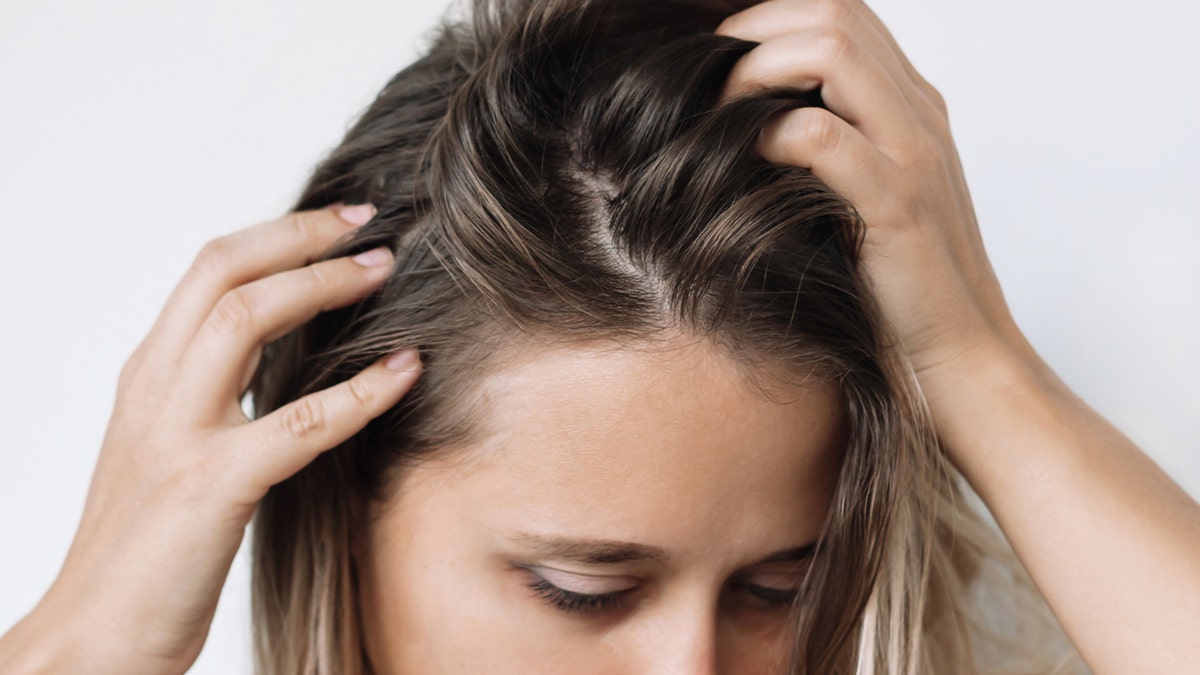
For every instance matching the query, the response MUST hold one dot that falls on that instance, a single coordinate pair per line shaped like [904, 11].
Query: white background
[132, 132]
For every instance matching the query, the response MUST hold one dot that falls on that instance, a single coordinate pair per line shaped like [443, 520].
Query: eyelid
[784, 577]
[776, 580]
[585, 584]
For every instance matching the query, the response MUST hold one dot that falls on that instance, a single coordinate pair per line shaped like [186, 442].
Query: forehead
[649, 444]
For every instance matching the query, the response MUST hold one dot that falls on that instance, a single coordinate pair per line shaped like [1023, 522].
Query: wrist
[994, 360]
[985, 396]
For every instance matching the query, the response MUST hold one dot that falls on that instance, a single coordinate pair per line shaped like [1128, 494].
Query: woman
[694, 292]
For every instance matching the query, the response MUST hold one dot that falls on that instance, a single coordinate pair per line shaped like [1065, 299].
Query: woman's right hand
[181, 467]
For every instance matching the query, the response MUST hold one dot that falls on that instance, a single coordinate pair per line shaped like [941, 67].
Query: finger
[227, 262]
[247, 317]
[776, 18]
[278, 445]
[831, 148]
[931, 94]
[853, 83]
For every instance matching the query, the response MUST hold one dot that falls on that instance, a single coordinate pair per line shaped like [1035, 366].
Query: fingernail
[402, 360]
[357, 214]
[374, 258]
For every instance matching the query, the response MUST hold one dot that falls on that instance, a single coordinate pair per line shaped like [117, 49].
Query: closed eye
[569, 601]
[584, 603]
[576, 593]
[579, 593]
[778, 586]
[772, 597]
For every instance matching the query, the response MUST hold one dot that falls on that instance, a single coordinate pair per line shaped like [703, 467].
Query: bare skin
[665, 447]
[1110, 540]
[181, 468]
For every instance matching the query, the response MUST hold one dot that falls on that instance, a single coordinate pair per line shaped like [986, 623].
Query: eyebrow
[608, 552]
[590, 551]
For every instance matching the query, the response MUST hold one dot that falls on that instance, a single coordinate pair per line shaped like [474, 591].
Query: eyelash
[569, 601]
[773, 597]
[584, 603]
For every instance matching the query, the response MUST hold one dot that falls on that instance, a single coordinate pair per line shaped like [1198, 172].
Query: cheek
[752, 643]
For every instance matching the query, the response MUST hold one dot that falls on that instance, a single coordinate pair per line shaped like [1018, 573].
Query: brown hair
[560, 170]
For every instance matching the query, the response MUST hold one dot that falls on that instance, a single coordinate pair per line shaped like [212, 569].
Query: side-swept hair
[558, 170]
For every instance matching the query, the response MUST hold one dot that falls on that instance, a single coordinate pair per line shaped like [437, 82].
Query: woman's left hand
[1062, 482]
[885, 144]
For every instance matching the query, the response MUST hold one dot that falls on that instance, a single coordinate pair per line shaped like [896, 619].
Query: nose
[683, 643]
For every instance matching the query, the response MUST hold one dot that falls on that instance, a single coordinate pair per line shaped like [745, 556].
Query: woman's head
[635, 332]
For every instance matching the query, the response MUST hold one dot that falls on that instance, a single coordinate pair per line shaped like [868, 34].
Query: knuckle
[939, 100]
[834, 44]
[303, 419]
[215, 257]
[362, 393]
[319, 276]
[834, 12]
[303, 225]
[731, 25]
[133, 364]
[819, 131]
[128, 371]
[232, 314]
[941, 133]
[936, 98]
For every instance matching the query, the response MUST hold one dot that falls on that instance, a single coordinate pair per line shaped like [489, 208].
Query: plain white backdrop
[132, 132]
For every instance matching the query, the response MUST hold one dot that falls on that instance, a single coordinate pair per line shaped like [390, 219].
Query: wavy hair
[556, 170]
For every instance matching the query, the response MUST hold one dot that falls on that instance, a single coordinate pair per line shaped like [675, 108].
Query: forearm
[1110, 540]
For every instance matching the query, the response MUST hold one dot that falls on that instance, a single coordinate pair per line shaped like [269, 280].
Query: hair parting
[561, 170]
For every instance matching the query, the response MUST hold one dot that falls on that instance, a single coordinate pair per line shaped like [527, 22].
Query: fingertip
[404, 361]
[723, 27]
[771, 142]
[745, 23]
[357, 214]
[731, 26]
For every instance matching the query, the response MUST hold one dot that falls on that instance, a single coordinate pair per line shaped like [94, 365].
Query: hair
[558, 171]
